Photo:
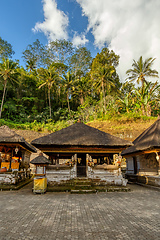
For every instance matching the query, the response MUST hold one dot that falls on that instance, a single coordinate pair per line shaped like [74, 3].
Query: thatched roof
[9, 136]
[40, 160]
[80, 134]
[149, 139]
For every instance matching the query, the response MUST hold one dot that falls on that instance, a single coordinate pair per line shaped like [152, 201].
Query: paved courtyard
[122, 215]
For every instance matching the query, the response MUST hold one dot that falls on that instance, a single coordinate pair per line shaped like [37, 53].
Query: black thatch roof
[80, 134]
[9, 136]
[40, 160]
[149, 139]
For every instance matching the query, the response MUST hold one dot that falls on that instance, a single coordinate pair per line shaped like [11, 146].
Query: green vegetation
[61, 84]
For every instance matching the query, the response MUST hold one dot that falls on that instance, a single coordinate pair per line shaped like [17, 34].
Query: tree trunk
[68, 104]
[81, 98]
[143, 110]
[104, 97]
[49, 98]
[4, 91]
[148, 110]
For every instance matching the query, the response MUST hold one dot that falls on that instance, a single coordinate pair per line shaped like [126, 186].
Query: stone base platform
[85, 185]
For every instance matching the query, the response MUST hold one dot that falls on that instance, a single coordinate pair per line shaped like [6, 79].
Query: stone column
[159, 166]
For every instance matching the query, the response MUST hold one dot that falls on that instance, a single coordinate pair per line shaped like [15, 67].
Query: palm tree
[141, 69]
[83, 88]
[67, 85]
[8, 72]
[31, 65]
[103, 73]
[49, 78]
[102, 76]
[147, 96]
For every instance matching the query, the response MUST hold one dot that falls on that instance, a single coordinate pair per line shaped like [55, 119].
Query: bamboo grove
[62, 82]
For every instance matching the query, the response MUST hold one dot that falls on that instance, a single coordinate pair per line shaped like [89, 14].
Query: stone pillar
[75, 156]
[159, 166]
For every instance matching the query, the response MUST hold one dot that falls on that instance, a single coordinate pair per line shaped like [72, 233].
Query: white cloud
[131, 28]
[55, 21]
[79, 39]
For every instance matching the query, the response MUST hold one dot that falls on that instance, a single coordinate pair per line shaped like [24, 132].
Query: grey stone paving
[123, 215]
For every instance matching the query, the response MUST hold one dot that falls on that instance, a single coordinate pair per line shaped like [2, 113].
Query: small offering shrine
[40, 180]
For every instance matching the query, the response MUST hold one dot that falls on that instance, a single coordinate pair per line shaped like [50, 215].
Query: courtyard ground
[131, 215]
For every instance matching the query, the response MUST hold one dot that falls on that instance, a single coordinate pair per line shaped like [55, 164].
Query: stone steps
[79, 191]
[82, 186]
[85, 185]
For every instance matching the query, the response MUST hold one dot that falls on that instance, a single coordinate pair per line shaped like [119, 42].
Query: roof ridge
[81, 134]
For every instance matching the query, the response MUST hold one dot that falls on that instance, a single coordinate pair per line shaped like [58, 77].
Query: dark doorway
[135, 165]
[81, 165]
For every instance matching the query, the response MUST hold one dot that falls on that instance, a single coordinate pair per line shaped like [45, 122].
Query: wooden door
[81, 165]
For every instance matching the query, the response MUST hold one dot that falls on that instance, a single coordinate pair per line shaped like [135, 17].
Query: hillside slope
[128, 129]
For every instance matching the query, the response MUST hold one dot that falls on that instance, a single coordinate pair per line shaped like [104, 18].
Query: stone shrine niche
[150, 161]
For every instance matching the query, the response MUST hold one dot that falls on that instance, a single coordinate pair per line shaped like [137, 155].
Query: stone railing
[109, 174]
[59, 173]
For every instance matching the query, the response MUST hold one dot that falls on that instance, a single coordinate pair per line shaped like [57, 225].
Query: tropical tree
[59, 51]
[31, 65]
[147, 96]
[35, 55]
[67, 84]
[103, 73]
[6, 50]
[26, 93]
[8, 72]
[126, 98]
[49, 78]
[80, 61]
[82, 88]
[142, 69]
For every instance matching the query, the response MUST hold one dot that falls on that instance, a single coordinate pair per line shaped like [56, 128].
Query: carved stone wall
[148, 164]
[60, 174]
[107, 176]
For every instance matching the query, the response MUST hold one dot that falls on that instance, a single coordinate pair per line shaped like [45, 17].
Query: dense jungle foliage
[63, 83]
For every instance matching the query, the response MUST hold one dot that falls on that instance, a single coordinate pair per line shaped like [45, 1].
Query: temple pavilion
[82, 151]
[143, 158]
[15, 154]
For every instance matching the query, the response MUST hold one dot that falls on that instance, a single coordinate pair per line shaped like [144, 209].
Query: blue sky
[130, 28]
[18, 18]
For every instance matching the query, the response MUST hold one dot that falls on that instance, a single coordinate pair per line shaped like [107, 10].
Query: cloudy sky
[130, 28]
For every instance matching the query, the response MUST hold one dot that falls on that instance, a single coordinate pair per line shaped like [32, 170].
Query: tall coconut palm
[142, 69]
[82, 88]
[31, 65]
[102, 79]
[8, 72]
[67, 83]
[49, 77]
